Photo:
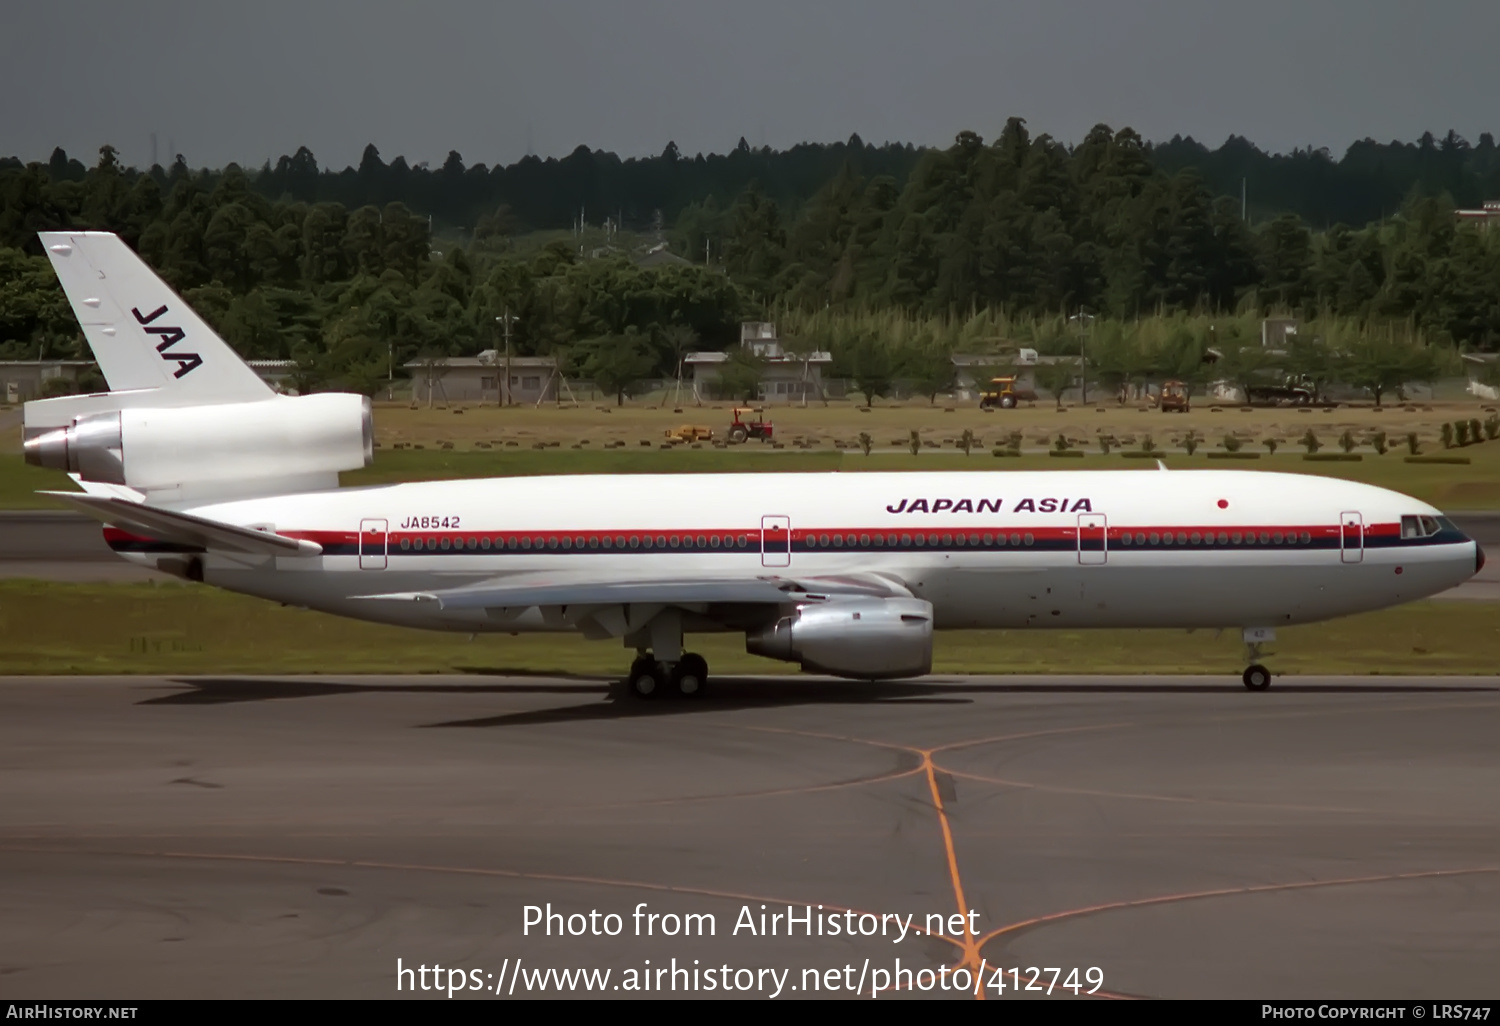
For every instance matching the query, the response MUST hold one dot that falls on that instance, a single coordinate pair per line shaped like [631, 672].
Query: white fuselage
[1064, 549]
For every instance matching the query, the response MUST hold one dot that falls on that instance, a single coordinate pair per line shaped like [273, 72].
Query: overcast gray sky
[247, 81]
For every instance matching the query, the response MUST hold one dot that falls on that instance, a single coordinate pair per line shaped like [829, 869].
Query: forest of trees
[339, 271]
[1369, 182]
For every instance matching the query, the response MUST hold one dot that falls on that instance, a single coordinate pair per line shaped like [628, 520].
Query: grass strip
[52, 628]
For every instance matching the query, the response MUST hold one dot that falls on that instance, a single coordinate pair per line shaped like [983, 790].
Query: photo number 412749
[1046, 980]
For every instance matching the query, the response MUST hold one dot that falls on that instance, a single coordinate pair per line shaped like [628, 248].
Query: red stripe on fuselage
[813, 534]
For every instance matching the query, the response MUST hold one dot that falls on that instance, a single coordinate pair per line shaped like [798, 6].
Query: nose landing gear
[1256, 676]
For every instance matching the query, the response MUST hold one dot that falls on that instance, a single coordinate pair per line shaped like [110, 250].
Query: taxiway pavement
[295, 836]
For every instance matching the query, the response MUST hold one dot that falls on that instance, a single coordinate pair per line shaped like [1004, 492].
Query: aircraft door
[372, 544]
[1093, 539]
[1352, 537]
[775, 541]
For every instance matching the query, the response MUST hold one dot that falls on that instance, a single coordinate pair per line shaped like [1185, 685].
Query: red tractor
[742, 427]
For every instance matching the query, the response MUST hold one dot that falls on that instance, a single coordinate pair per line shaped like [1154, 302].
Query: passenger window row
[1418, 527]
[526, 543]
[1149, 538]
[987, 539]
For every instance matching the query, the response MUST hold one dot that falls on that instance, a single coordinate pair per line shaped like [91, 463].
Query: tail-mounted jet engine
[147, 448]
[867, 639]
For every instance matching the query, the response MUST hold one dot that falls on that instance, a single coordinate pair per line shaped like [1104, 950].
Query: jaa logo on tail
[170, 336]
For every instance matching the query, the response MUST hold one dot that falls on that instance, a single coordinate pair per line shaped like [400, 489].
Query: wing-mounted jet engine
[869, 639]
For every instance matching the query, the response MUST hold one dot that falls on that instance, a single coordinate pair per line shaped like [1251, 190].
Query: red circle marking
[1223, 503]
[1398, 569]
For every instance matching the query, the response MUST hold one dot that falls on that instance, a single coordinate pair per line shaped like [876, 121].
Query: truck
[1173, 397]
[1292, 391]
[1004, 393]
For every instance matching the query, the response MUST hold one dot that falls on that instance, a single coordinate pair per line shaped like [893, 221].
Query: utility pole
[1244, 215]
[1083, 366]
[1084, 320]
[502, 394]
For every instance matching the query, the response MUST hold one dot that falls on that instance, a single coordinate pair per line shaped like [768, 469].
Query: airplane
[197, 468]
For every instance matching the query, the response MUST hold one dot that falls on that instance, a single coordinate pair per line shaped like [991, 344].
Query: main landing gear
[1256, 676]
[661, 666]
[685, 678]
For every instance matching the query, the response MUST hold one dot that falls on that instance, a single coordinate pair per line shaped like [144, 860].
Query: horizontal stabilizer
[558, 590]
[186, 529]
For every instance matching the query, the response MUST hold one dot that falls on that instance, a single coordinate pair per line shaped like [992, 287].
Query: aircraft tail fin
[144, 336]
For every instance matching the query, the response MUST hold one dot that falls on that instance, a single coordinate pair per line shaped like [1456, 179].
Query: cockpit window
[1419, 527]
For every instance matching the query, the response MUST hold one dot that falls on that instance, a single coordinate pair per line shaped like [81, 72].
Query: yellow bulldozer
[1002, 392]
[690, 433]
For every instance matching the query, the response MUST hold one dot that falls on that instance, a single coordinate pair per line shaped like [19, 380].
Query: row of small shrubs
[1233, 446]
[1460, 433]
[1454, 435]
[1469, 432]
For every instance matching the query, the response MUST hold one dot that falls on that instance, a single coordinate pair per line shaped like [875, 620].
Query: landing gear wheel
[1257, 678]
[690, 675]
[647, 678]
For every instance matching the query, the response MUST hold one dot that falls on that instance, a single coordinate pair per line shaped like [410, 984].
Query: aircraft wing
[184, 528]
[525, 590]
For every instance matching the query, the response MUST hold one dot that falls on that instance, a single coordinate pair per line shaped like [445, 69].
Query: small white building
[276, 373]
[1482, 371]
[481, 378]
[1275, 332]
[972, 371]
[1487, 216]
[21, 380]
[785, 375]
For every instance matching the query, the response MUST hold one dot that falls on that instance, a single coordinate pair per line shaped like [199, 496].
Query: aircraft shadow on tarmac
[223, 690]
[730, 694]
[734, 693]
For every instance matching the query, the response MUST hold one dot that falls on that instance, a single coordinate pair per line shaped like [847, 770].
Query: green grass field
[464, 424]
[1447, 486]
[48, 628]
